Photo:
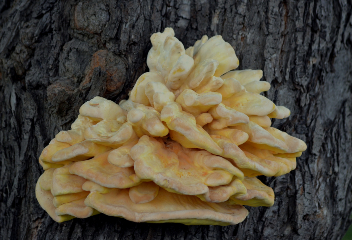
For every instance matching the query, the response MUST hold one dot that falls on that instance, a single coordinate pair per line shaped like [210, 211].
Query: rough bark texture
[56, 54]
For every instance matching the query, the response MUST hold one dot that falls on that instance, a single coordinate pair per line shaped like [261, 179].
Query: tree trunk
[55, 55]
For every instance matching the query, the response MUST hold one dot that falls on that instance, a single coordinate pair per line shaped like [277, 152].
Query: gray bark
[50, 65]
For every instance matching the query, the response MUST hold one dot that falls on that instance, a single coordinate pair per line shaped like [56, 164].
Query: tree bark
[55, 55]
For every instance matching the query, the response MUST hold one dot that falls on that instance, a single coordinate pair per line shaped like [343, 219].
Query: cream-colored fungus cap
[186, 147]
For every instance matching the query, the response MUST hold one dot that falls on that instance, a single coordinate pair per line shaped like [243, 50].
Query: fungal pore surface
[186, 147]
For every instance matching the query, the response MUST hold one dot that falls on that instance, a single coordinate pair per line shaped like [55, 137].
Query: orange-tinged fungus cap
[186, 146]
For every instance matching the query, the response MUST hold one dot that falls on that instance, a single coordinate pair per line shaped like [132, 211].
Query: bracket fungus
[186, 147]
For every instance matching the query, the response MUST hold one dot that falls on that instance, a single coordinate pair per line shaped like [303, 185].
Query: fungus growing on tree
[186, 147]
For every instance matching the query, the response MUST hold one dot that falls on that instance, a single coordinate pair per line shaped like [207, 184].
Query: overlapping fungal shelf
[186, 147]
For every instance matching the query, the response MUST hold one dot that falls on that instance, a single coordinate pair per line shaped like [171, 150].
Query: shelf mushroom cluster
[186, 147]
